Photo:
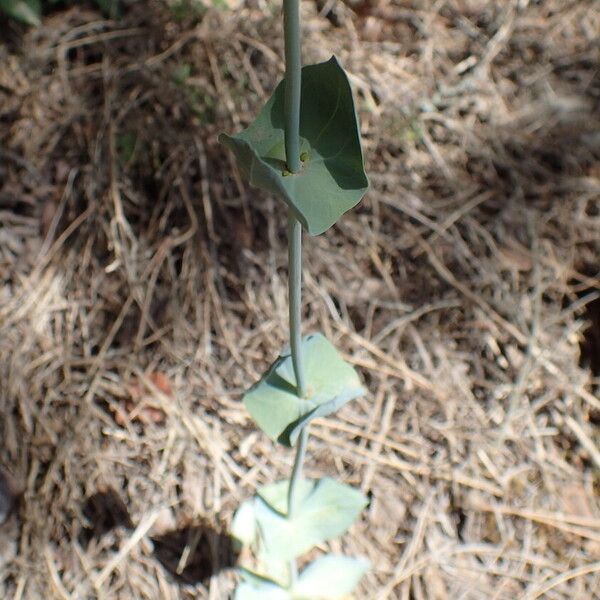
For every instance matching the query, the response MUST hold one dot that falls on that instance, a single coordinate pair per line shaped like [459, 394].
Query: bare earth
[143, 288]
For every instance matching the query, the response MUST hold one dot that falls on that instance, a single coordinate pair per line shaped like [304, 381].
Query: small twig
[583, 438]
[140, 531]
[544, 588]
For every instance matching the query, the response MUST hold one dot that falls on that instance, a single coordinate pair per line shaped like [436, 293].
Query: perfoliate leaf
[276, 494]
[27, 11]
[246, 532]
[261, 591]
[255, 578]
[326, 509]
[332, 179]
[274, 404]
[243, 526]
[330, 577]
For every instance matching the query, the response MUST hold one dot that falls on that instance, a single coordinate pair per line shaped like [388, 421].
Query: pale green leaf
[261, 591]
[326, 509]
[274, 404]
[332, 179]
[276, 494]
[330, 577]
[245, 530]
[243, 526]
[27, 11]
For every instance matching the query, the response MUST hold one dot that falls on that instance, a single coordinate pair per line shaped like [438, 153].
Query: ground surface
[142, 289]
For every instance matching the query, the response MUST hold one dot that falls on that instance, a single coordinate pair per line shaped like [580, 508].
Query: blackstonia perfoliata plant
[304, 147]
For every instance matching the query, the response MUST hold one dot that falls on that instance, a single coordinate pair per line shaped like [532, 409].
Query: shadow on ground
[194, 554]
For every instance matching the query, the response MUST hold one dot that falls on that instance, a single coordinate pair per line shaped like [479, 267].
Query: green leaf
[243, 526]
[245, 530]
[182, 73]
[255, 578]
[261, 591]
[27, 11]
[330, 577]
[326, 509]
[331, 382]
[332, 179]
[276, 494]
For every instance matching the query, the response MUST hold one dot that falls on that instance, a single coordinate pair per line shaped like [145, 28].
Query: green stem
[295, 300]
[295, 303]
[297, 473]
[295, 481]
[293, 66]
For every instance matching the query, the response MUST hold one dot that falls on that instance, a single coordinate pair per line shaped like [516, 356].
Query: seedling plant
[304, 147]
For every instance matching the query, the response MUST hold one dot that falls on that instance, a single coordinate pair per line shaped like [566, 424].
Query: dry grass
[142, 289]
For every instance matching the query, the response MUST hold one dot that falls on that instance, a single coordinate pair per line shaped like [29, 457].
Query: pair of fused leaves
[274, 404]
[330, 577]
[325, 510]
[332, 179]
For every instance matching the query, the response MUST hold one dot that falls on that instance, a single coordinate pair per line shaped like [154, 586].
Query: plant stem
[295, 481]
[295, 299]
[295, 305]
[293, 65]
[297, 473]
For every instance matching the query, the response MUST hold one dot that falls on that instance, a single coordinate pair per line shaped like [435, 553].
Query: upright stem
[292, 499]
[295, 299]
[295, 302]
[293, 65]
[297, 472]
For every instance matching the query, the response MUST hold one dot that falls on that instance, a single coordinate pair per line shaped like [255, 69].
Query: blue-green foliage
[331, 181]
[274, 404]
[27, 11]
[30, 11]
